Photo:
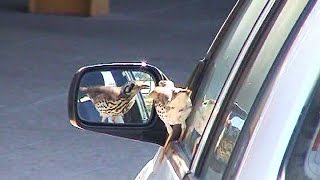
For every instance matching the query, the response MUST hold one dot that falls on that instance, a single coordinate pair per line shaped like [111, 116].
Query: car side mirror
[113, 95]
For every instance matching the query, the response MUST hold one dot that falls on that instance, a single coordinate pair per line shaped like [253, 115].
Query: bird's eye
[128, 88]
[132, 85]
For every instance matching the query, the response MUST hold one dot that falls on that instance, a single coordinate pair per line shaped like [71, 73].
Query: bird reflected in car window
[203, 113]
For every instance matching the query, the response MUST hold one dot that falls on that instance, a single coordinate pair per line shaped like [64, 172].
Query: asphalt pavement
[39, 55]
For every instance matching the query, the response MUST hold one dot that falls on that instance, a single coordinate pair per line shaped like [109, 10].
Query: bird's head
[166, 83]
[133, 87]
[161, 94]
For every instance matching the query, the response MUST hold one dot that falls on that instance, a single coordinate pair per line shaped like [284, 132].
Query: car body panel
[158, 169]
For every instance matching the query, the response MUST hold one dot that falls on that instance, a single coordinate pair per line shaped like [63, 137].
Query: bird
[173, 106]
[113, 101]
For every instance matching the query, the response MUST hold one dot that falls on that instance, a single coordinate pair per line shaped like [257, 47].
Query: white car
[255, 96]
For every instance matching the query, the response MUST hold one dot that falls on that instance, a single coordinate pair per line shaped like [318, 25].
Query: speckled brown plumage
[173, 106]
[111, 101]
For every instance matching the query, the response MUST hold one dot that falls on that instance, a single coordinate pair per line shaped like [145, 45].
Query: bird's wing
[180, 100]
[163, 94]
[179, 108]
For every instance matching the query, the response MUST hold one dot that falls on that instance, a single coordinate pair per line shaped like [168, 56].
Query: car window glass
[217, 74]
[228, 131]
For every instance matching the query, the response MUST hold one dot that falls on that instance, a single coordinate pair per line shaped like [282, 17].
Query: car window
[259, 65]
[219, 67]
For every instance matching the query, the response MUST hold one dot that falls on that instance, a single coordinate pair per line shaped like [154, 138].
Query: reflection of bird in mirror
[111, 101]
[173, 106]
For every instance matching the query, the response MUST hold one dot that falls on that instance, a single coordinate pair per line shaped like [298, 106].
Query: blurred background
[41, 52]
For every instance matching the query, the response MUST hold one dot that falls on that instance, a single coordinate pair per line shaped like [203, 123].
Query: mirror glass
[115, 96]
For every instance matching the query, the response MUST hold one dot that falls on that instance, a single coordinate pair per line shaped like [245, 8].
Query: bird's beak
[153, 94]
[144, 86]
[141, 85]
